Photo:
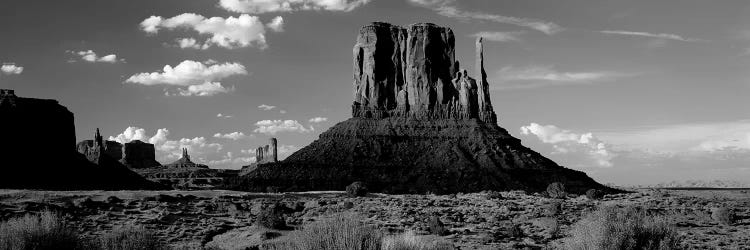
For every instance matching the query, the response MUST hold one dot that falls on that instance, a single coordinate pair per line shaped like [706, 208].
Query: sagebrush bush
[594, 194]
[410, 241]
[356, 189]
[339, 232]
[129, 237]
[39, 232]
[723, 215]
[613, 228]
[556, 190]
[271, 217]
[436, 227]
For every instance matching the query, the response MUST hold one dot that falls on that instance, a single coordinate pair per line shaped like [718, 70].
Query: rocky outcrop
[185, 162]
[267, 153]
[412, 72]
[39, 151]
[138, 154]
[420, 124]
[92, 148]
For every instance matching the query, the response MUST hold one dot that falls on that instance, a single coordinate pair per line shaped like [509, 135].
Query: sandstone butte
[420, 124]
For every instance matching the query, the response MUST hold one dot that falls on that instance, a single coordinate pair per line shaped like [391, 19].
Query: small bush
[130, 237]
[553, 208]
[340, 232]
[356, 189]
[410, 241]
[436, 227]
[594, 194]
[723, 215]
[556, 190]
[514, 230]
[271, 217]
[613, 228]
[40, 232]
[494, 195]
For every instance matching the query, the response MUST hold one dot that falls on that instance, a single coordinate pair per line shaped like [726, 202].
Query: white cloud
[190, 43]
[318, 119]
[282, 111]
[567, 142]
[200, 79]
[11, 69]
[232, 136]
[264, 6]
[230, 32]
[541, 76]
[447, 8]
[220, 115]
[90, 56]
[276, 126]
[167, 149]
[500, 36]
[266, 107]
[276, 24]
[665, 36]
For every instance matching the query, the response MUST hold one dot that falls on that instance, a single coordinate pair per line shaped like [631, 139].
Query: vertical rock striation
[267, 153]
[412, 72]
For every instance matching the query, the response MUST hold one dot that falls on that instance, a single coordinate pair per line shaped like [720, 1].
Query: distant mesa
[137, 155]
[185, 162]
[420, 123]
[39, 150]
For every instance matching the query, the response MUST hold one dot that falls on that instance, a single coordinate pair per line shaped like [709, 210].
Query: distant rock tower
[92, 149]
[267, 153]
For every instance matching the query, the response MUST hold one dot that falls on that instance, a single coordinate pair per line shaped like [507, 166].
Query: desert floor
[224, 219]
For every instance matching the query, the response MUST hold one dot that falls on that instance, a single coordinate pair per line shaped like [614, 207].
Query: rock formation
[185, 162]
[39, 150]
[267, 153]
[420, 124]
[138, 154]
[99, 146]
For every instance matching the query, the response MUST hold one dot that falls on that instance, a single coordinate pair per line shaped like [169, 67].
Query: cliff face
[420, 124]
[412, 72]
[138, 154]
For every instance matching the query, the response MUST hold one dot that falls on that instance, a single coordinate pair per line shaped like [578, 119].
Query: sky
[631, 92]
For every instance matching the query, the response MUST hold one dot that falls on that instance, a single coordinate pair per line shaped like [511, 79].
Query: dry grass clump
[40, 232]
[339, 232]
[410, 241]
[129, 237]
[622, 229]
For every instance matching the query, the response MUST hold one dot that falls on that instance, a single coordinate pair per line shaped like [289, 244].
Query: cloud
[265, 6]
[276, 24]
[500, 36]
[200, 79]
[276, 126]
[567, 142]
[220, 115]
[90, 56]
[232, 136]
[318, 119]
[11, 69]
[167, 149]
[541, 76]
[447, 8]
[230, 32]
[229, 159]
[665, 36]
[266, 107]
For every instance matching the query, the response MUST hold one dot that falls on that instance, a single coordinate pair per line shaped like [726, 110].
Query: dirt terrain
[225, 219]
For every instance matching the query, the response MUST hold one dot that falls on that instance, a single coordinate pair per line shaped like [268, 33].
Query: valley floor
[220, 219]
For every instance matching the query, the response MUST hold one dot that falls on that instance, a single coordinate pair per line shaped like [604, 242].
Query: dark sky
[632, 92]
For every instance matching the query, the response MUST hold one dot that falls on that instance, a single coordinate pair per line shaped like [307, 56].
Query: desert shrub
[410, 241]
[513, 230]
[556, 190]
[40, 232]
[553, 208]
[436, 227]
[594, 194]
[723, 215]
[129, 237]
[494, 195]
[622, 229]
[356, 189]
[339, 232]
[271, 217]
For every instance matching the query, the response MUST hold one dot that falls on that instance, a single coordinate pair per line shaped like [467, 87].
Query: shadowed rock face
[420, 124]
[138, 154]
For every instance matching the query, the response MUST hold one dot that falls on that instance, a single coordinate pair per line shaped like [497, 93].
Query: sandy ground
[224, 219]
